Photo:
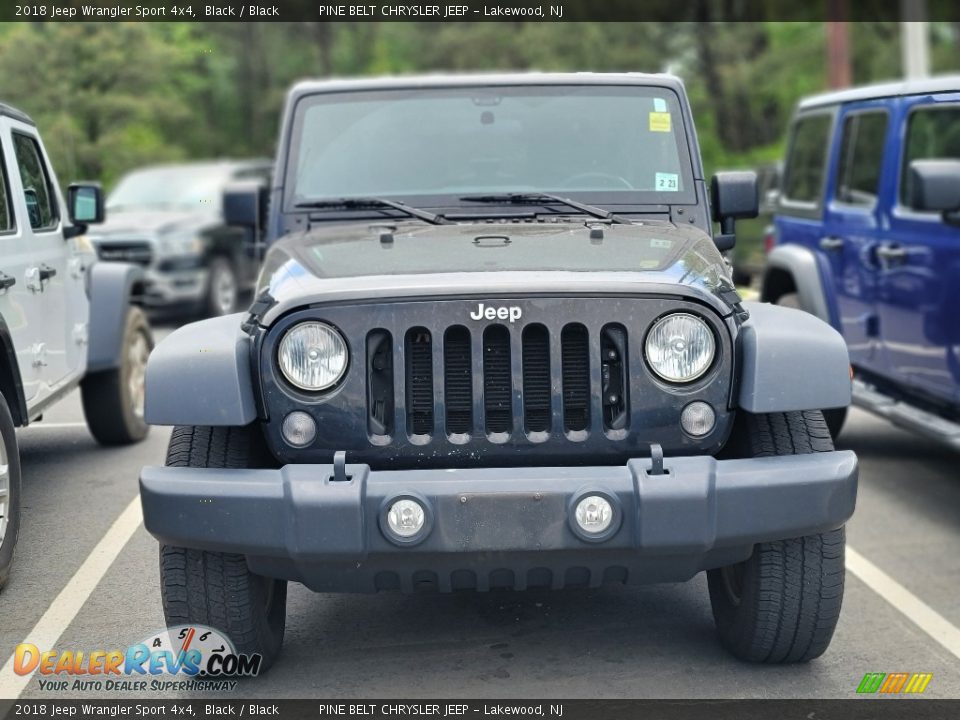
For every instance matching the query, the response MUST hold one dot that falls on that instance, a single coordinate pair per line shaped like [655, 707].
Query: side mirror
[733, 195]
[245, 206]
[935, 186]
[85, 203]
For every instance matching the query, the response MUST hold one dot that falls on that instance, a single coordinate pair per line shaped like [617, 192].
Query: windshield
[175, 187]
[604, 144]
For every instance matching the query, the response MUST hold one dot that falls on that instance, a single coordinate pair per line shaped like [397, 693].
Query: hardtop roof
[307, 87]
[921, 86]
[12, 112]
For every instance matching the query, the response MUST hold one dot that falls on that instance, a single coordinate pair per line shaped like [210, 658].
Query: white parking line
[68, 603]
[922, 615]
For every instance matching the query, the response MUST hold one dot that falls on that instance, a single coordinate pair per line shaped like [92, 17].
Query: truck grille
[449, 383]
[139, 253]
[530, 382]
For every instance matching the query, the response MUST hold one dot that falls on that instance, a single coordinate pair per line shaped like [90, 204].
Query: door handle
[6, 281]
[831, 244]
[891, 253]
[46, 272]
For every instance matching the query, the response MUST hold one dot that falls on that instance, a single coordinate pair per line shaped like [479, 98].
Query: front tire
[782, 604]
[113, 399]
[223, 288]
[9, 491]
[213, 588]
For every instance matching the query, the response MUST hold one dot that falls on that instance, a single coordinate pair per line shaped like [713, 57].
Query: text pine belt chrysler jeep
[495, 346]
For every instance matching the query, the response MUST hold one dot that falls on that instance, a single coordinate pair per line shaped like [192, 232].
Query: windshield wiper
[361, 203]
[521, 198]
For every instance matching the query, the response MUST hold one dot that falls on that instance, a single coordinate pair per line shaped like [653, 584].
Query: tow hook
[340, 467]
[656, 460]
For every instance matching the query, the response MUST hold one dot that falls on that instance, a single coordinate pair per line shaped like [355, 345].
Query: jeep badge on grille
[511, 313]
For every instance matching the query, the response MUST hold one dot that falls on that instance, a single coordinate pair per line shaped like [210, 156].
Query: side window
[37, 188]
[932, 132]
[861, 158]
[807, 158]
[6, 207]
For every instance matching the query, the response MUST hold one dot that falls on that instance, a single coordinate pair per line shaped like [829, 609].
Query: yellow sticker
[659, 122]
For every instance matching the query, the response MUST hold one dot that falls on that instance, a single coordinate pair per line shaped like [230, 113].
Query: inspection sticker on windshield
[662, 244]
[659, 104]
[659, 122]
[667, 182]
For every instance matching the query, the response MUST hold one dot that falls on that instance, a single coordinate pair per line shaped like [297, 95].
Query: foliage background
[109, 97]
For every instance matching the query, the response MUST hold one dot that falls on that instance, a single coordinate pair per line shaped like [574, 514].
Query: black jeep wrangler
[495, 345]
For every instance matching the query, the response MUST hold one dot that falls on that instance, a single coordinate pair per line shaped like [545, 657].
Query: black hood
[484, 258]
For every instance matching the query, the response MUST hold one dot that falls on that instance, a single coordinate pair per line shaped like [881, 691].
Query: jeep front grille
[529, 381]
[139, 253]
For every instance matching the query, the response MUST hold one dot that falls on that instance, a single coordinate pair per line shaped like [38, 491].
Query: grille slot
[497, 387]
[536, 379]
[458, 380]
[139, 253]
[575, 361]
[419, 381]
[380, 383]
[614, 381]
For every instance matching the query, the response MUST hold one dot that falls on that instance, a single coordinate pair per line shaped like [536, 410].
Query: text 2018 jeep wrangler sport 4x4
[495, 345]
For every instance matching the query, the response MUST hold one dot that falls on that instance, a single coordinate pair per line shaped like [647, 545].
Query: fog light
[698, 419]
[406, 518]
[299, 429]
[594, 514]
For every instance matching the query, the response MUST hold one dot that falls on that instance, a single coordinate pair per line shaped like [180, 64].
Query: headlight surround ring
[313, 356]
[680, 347]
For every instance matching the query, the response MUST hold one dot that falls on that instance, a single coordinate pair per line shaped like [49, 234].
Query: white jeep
[65, 320]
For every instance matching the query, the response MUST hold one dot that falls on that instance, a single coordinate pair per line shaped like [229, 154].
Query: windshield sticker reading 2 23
[668, 182]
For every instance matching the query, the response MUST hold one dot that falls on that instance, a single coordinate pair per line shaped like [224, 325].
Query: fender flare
[111, 287]
[801, 264]
[200, 375]
[11, 384]
[791, 360]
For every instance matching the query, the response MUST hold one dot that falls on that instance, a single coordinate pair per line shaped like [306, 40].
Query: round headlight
[313, 356]
[680, 347]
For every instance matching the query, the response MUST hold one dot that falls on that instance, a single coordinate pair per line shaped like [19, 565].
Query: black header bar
[338, 709]
[466, 11]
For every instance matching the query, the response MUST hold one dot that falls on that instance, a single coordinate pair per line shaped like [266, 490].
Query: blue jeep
[868, 239]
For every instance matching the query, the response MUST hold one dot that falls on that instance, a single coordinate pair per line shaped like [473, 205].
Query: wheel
[223, 288]
[782, 604]
[835, 417]
[113, 399]
[9, 491]
[217, 589]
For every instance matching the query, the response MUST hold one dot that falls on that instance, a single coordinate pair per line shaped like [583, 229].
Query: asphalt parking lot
[86, 578]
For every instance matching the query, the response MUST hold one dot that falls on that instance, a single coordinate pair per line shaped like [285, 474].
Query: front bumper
[503, 527]
[175, 286]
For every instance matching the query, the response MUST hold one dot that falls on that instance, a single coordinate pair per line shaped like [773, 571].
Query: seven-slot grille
[497, 381]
